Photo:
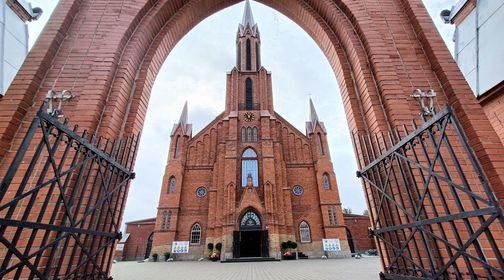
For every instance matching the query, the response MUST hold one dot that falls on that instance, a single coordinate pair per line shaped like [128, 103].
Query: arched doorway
[148, 247]
[250, 241]
[350, 240]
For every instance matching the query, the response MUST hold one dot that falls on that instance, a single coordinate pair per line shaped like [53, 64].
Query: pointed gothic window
[171, 188]
[249, 134]
[254, 134]
[248, 94]
[244, 134]
[258, 61]
[177, 147]
[238, 56]
[249, 55]
[333, 216]
[250, 167]
[320, 143]
[325, 181]
[195, 234]
[304, 232]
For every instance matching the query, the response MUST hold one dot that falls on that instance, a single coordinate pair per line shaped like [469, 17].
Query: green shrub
[210, 247]
[218, 246]
[166, 255]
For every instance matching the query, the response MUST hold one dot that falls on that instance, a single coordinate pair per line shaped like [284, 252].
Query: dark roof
[354, 215]
[144, 221]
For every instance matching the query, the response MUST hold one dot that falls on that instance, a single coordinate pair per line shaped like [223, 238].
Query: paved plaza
[334, 269]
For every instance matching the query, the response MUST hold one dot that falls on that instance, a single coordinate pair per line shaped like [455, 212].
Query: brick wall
[358, 226]
[493, 105]
[136, 245]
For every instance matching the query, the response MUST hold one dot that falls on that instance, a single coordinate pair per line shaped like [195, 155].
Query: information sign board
[180, 247]
[331, 244]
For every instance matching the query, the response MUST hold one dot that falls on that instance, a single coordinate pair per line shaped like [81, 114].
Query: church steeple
[311, 125]
[248, 42]
[185, 127]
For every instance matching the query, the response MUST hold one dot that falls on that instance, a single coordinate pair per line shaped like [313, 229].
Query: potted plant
[286, 247]
[166, 256]
[210, 247]
[155, 256]
[215, 255]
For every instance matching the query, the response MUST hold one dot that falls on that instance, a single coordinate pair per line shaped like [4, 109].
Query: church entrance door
[250, 241]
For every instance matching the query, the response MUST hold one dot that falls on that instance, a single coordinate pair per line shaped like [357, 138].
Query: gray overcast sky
[196, 71]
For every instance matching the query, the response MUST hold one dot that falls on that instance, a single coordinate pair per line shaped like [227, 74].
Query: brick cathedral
[249, 180]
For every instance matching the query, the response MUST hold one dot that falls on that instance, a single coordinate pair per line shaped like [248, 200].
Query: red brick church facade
[249, 179]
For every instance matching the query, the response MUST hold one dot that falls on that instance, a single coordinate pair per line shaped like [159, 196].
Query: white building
[14, 16]
[479, 41]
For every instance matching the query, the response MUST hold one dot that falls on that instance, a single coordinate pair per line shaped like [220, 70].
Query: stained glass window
[250, 167]
[254, 132]
[171, 188]
[201, 191]
[304, 232]
[196, 234]
[249, 134]
[298, 190]
[325, 179]
[250, 219]
[244, 134]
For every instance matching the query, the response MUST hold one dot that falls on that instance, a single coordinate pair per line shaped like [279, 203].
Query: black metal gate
[61, 202]
[434, 214]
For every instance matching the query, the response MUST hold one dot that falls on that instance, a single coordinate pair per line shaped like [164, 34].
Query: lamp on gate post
[51, 96]
[426, 101]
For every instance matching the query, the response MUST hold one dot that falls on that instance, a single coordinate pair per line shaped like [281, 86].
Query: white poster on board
[180, 247]
[331, 245]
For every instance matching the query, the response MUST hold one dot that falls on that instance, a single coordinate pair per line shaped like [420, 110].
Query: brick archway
[379, 50]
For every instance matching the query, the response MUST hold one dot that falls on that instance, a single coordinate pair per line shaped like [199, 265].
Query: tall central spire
[248, 17]
[248, 42]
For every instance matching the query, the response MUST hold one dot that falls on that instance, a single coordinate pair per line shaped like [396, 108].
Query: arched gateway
[435, 189]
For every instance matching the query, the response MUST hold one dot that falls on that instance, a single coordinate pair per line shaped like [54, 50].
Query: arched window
[243, 134]
[249, 134]
[249, 100]
[171, 188]
[250, 167]
[304, 232]
[250, 220]
[258, 56]
[325, 181]
[238, 56]
[320, 143]
[249, 55]
[195, 234]
[177, 147]
[254, 134]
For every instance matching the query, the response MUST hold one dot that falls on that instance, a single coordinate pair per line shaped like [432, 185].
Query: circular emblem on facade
[249, 116]
[297, 190]
[201, 192]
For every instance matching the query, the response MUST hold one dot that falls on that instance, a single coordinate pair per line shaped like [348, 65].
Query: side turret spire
[183, 123]
[311, 125]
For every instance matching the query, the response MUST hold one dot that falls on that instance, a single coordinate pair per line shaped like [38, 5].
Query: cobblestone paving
[335, 269]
